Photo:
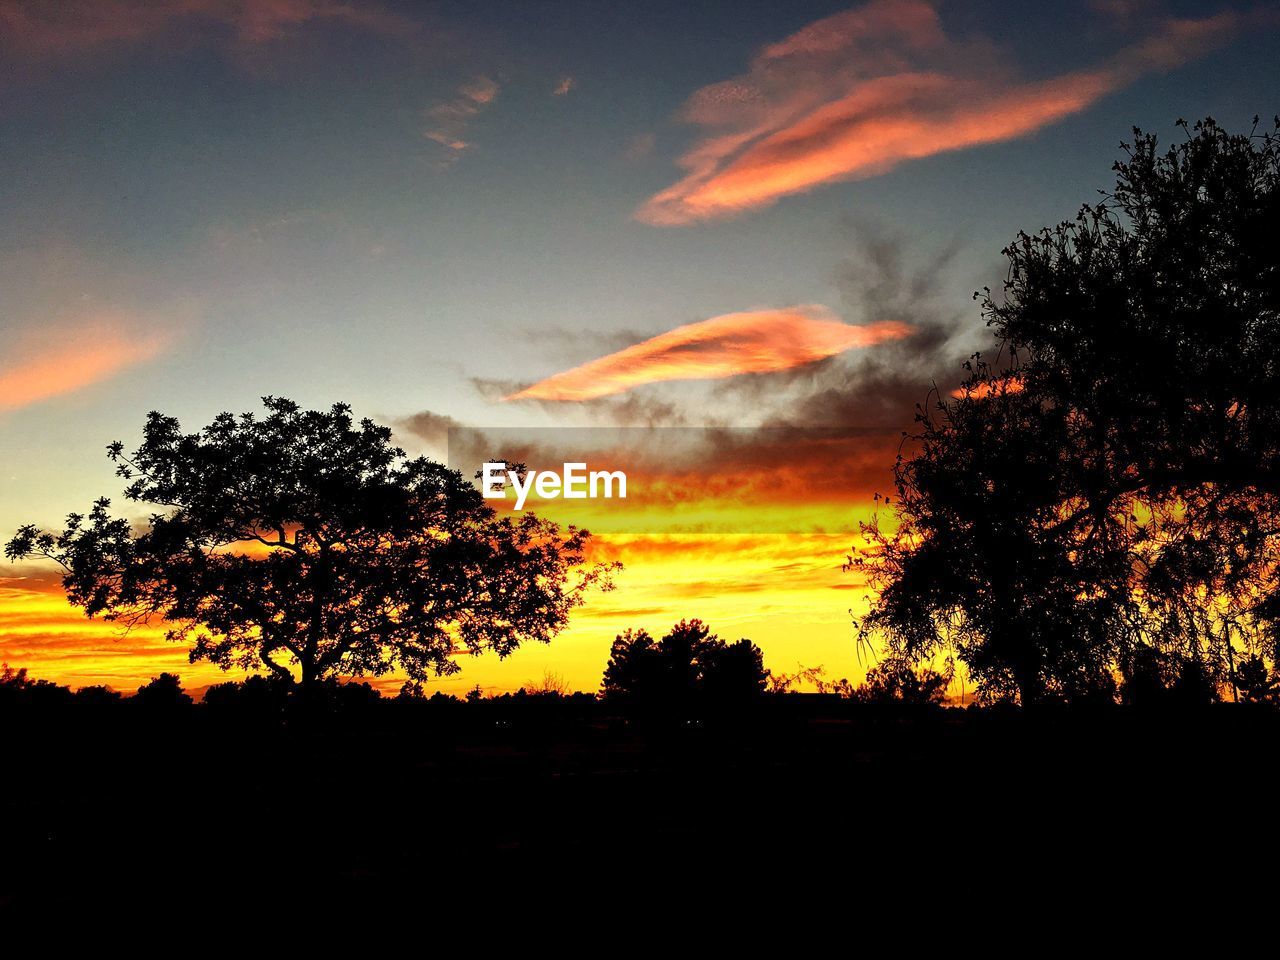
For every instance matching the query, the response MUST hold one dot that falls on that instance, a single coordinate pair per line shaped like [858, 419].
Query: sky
[539, 215]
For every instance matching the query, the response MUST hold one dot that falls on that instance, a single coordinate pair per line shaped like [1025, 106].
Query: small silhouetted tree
[309, 545]
[733, 673]
[689, 666]
[552, 684]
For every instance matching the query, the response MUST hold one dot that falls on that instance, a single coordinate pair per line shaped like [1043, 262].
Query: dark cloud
[432, 429]
[639, 408]
[878, 389]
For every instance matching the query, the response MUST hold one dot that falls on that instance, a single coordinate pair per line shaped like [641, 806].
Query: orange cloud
[858, 93]
[64, 360]
[758, 341]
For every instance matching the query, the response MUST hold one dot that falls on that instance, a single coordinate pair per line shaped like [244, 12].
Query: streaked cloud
[63, 359]
[42, 631]
[449, 119]
[758, 341]
[856, 94]
[566, 84]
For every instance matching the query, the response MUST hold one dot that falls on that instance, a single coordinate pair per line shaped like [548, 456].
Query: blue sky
[255, 196]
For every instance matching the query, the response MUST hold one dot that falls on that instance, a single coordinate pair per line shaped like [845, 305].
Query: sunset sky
[547, 215]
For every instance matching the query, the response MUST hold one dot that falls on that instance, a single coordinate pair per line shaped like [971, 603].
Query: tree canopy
[1103, 494]
[308, 544]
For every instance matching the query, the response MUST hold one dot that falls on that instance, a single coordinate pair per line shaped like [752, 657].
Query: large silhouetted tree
[1112, 487]
[307, 544]
[979, 565]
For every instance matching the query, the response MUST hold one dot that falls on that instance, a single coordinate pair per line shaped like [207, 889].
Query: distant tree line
[688, 673]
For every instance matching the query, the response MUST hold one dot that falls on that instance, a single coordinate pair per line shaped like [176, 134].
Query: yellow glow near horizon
[786, 592]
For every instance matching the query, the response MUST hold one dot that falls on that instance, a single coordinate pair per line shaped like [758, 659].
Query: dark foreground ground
[480, 808]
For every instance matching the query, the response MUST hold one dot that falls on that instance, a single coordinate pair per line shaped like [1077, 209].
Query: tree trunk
[308, 684]
[1030, 689]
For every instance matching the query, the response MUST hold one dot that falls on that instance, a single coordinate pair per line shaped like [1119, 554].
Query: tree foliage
[1107, 487]
[898, 682]
[308, 544]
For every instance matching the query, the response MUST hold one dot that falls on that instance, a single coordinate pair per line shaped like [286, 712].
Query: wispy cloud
[68, 358]
[758, 341]
[450, 118]
[639, 148]
[77, 26]
[566, 84]
[858, 93]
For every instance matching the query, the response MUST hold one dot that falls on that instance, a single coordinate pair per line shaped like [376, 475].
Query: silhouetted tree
[789, 682]
[978, 566]
[733, 673]
[688, 666]
[97, 697]
[163, 693]
[551, 685]
[636, 670]
[256, 697]
[17, 688]
[311, 546]
[1256, 682]
[1112, 486]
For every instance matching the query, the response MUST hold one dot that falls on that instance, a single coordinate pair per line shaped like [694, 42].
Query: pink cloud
[449, 119]
[65, 359]
[758, 341]
[858, 93]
